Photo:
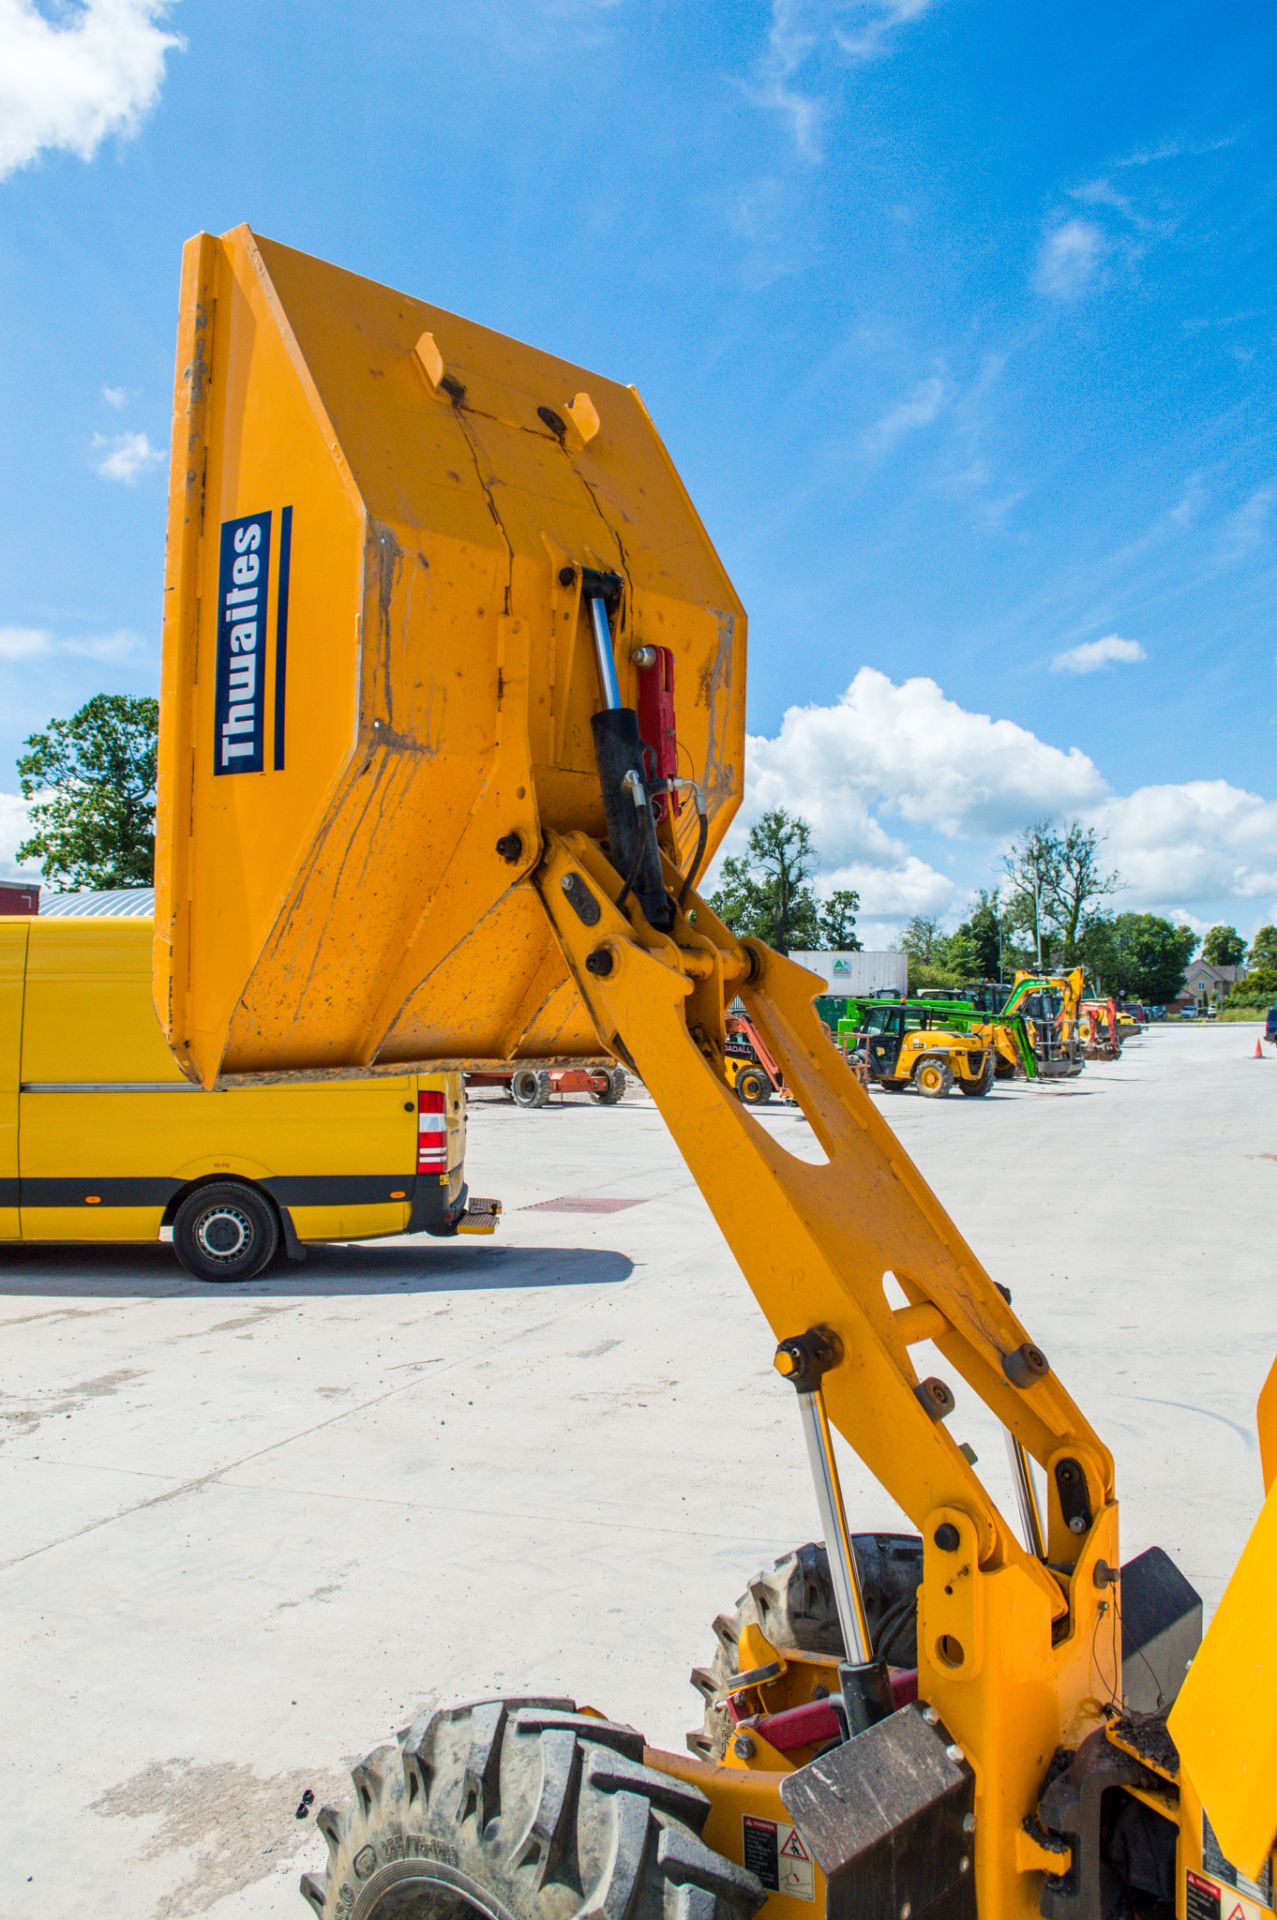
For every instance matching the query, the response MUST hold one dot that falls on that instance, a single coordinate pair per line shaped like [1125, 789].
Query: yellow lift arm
[421, 580]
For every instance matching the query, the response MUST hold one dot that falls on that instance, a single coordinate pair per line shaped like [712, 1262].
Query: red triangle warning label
[795, 1848]
[1238, 1912]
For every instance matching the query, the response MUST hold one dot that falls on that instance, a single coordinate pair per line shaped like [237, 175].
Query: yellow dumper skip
[374, 638]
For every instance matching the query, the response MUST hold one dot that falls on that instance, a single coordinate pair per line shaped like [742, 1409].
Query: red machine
[533, 1086]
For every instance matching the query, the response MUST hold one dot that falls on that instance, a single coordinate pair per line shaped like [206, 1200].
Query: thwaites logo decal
[244, 630]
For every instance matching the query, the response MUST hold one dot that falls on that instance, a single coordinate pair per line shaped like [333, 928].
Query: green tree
[1263, 948]
[838, 921]
[91, 782]
[1138, 954]
[1057, 884]
[1258, 989]
[921, 937]
[1224, 947]
[766, 891]
[979, 956]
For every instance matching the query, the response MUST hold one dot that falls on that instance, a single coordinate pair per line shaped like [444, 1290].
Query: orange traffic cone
[1259, 1051]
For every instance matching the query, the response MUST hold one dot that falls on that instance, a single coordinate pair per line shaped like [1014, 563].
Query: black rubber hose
[631, 830]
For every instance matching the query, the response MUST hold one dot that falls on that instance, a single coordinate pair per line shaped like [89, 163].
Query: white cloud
[67, 84]
[24, 643]
[806, 34]
[1177, 149]
[1069, 259]
[890, 760]
[1111, 651]
[124, 456]
[909, 750]
[1191, 843]
[37, 643]
[919, 408]
[14, 816]
[895, 893]
[117, 397]
[1248, 528]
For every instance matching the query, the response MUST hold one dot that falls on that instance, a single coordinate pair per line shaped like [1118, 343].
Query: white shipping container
[858, 973]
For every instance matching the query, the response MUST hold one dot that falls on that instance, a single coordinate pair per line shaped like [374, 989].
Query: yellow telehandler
[411, 816]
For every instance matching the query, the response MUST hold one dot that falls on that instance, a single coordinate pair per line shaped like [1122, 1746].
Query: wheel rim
[929, 1079]
[224, 1234]
[413, 1889]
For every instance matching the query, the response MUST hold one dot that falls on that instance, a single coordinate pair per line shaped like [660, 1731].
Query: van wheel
[530, 1087]
[510, 1808]
[226, 1231]
[614, 1090]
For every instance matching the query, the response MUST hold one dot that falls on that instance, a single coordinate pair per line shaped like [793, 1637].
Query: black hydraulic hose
[702, 838]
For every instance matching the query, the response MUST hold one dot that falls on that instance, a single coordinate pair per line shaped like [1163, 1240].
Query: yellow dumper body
[378, 681]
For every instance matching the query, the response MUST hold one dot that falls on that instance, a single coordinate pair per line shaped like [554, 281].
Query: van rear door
[13, 967]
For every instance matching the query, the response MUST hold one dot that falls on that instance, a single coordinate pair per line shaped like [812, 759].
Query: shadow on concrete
[420, 1265]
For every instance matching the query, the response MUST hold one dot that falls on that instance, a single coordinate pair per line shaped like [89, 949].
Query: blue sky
[959, 318]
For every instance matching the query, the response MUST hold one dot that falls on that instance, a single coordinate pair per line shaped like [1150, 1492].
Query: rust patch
[715, 693]
[388, 566]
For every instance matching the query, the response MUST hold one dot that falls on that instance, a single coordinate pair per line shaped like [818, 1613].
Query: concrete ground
[249, 1531]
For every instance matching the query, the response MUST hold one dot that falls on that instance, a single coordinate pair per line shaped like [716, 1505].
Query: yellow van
[101, 1138]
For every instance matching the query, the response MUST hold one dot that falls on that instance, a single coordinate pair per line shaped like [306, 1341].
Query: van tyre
[226, 1231]
[614, 1090]
[530, 1087]
[793, 1604]
[753, 1086]
[933, 1077]
[517, 1808]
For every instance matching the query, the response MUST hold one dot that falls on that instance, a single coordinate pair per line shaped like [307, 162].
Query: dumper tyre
[976, 1089]
[614, 1091]
[226, 1231]
[530, 1087]
[753, 1087]
[933, 1077]
[793, 1603]
[510, 1808]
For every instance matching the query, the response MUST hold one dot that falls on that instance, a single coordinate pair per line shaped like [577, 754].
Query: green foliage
[1138, 954]
[837, 917]
[1224, 947]
[1057, 883]
[1263, 948]
[921, 938]
[936, 979]
[766, 892]
[1258, 989]
[91, 780]
[983, 934]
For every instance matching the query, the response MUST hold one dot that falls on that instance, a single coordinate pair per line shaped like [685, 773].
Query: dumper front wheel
[226, 1231]
[511, 1808]
[793, 1603]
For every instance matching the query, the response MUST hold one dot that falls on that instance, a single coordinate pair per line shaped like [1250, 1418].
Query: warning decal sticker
[1216, 1863]
[1202, 1898]
[776, 1852]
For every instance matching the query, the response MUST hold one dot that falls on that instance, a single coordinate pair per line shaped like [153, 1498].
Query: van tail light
[432, 1133]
